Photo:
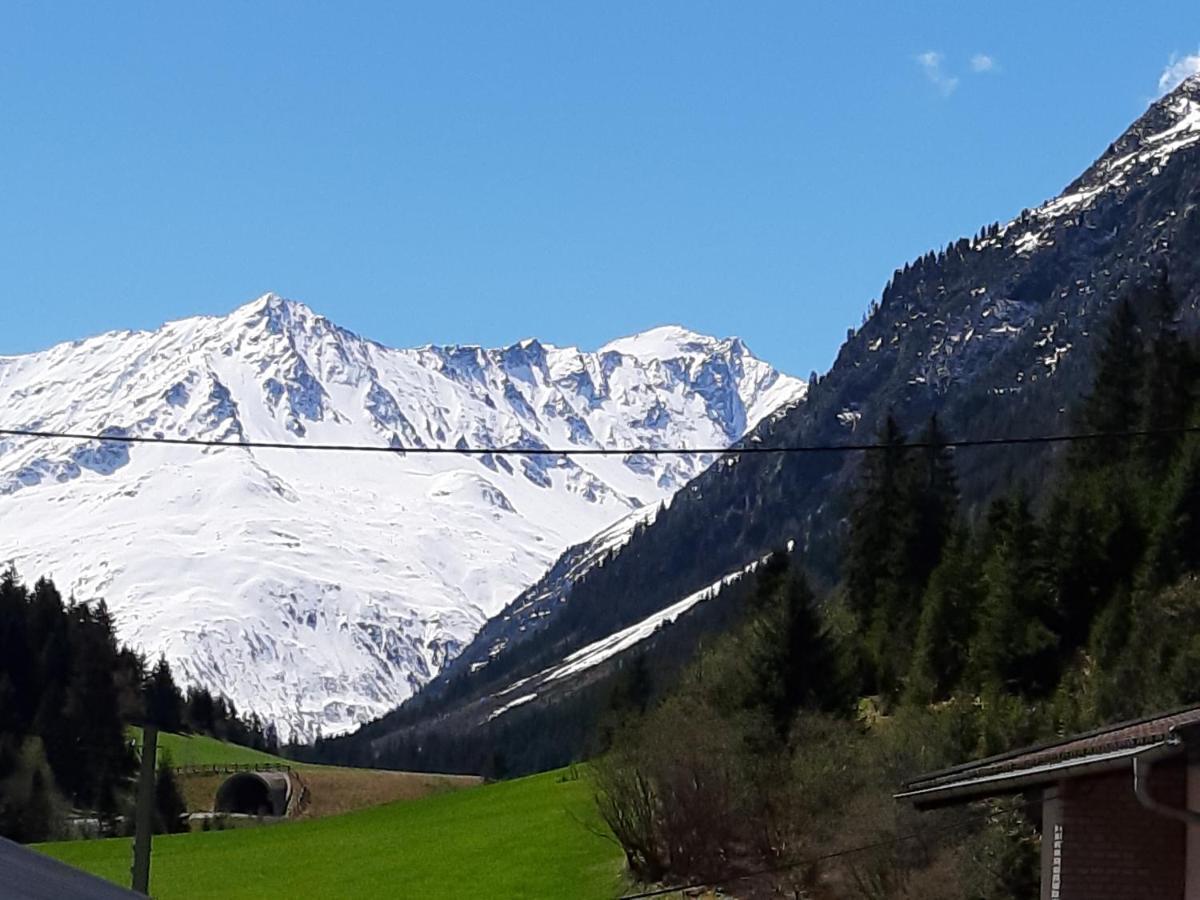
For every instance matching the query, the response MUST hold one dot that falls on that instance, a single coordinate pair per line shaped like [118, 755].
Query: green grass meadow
[202, 750]
[532, 837]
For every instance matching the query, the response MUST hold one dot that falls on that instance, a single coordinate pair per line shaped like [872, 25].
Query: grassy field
[202, 750]
[332, 790]
[530, 838]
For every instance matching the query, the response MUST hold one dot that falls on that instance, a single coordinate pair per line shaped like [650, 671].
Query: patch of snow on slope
[511, 705]
[618, 642]
[606, 648]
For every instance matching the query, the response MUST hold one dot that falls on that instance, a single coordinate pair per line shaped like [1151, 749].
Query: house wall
[1193, 833]
[1099, 843]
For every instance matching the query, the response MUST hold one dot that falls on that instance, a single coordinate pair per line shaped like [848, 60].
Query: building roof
[1100, 750]
[29, 875]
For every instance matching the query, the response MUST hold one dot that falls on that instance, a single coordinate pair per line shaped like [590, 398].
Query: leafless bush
[676, 794]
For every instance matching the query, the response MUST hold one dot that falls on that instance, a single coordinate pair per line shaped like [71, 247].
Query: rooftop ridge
[1045, 746]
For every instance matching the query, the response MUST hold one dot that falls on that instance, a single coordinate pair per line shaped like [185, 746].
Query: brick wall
[1110, 847]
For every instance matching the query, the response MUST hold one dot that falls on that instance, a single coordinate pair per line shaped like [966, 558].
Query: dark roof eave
[1056, 742]
[968, 789]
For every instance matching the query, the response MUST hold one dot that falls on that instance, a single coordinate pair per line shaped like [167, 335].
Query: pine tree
[164, 702]
[790, 656]
[54, 721]
[1014, 648]
[59, 671]
[1114, 403]
[878, 506]
[200, 712]
[169, 806]
[905, 510]
[254, 733]
[633, 688]
[1175, 545]
[944, 631]
[1096, 533]
[1079, 569]
[93, 704]
[130, 675]
[935, 495]
[18, 672]
[1167, 397]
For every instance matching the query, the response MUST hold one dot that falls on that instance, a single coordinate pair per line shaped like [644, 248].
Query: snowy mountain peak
[1170, 123]
[269, 304]
[320, 590]
[1169, 126]
[1189, 85]
[663, 343]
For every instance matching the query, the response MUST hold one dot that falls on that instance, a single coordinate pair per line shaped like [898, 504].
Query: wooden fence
[230, 768]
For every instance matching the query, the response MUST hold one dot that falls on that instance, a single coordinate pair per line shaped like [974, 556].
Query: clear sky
[482, 172]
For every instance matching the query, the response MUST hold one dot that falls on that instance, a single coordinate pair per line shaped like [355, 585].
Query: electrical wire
[752, 446]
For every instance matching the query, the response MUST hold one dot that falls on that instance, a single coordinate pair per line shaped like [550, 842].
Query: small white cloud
[981, 62]
[1179, 69]
[931, 64]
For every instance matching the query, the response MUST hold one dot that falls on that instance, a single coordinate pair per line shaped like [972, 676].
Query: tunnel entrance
[254, 793]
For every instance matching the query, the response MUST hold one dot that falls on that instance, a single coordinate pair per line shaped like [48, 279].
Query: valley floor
[532, 837]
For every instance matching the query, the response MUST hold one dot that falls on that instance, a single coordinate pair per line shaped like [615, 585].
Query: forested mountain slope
[994, 334]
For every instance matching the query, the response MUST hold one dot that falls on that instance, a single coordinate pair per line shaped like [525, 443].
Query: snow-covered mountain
[321, 589]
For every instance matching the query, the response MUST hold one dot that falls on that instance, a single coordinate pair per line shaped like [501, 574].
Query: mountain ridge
[991, 334]
[322, 601]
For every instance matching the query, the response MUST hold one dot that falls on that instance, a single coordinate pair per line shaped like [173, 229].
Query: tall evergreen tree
[130, 676]
[164, 702]
[1175, 545]
[790, 655]
[1014, 648]
[92, 709]
[944, 633]
[905, 510]
[200, 712]
[1095, 535]
[169, 806]
[58, 709]
[633, 688]
[18, 674]
[878, 505]
[1076, 551]
[1167, 393]
[935, 498]
[1114, 404]
[878, 564]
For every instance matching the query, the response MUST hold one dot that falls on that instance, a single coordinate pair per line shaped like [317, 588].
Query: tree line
[950, 634]
[68, 692]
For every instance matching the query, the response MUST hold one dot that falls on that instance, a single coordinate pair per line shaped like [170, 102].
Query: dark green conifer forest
[68, 691]
[1067, 603]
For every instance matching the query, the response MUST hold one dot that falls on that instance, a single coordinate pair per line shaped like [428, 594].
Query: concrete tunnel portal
[255, 794]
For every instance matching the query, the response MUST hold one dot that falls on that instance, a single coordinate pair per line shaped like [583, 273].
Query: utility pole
[144, 813]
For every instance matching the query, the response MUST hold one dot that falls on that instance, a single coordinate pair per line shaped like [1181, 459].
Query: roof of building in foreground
[1093, 752]
[29, 875]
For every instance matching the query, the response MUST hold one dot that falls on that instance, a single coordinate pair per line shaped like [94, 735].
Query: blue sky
[481, 172]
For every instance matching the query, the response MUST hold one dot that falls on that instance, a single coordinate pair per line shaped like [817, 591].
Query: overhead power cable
[752, 446]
